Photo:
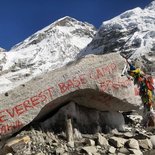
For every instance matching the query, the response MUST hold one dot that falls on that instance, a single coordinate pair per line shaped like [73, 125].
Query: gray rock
[124, 150]
[70, 144]
[102, 141]
[77, 134]
[98, 147]
[128, 135]
[40, 153]
[135, 118]
[135, 152]
[90, 142]
[117, 142]
[115, 132]
[113, 119]
[112, 149]
[59, 151]
[96, 154]
[65, 147]
[89, 149]
[9, 154]
[54, 144]
[152, 138]
[65, 153]
[141, 135]
[145, 144]
[133, 144]
[16, 143]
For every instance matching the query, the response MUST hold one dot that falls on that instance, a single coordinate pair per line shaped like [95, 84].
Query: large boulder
[94, 82]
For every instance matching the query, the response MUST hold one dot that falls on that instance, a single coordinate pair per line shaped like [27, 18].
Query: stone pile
[37, 139]
[47, 143]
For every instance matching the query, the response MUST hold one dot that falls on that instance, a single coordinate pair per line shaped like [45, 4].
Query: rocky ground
[35, 139]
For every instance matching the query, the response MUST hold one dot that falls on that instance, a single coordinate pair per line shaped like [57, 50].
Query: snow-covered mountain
[48, 49]
[2, 57]
[132, 34]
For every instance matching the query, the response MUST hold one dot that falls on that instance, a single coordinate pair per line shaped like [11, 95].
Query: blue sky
[21, 18]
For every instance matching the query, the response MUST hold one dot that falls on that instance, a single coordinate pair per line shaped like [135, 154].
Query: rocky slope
[132, 34]
[48, 49]
[95, 136]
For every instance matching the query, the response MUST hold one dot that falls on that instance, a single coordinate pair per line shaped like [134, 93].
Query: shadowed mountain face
[132, 34]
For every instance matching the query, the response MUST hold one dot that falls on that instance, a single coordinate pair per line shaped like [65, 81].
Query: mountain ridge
[47, 49]
[132, 34]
